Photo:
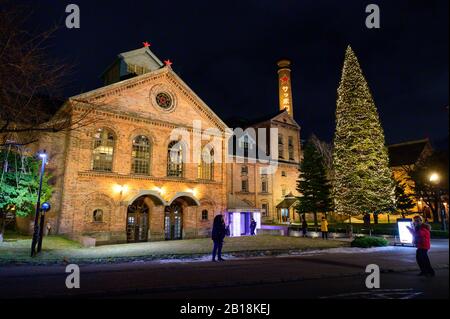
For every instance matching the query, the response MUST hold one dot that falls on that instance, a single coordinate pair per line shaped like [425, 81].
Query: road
[329, 274]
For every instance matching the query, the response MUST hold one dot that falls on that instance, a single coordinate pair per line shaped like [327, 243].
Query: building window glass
[141, 155]
[204, 214]
[283, 173]
[164, 100]
[97, 216]
[206, 166]
[284, 215]
[264, 184]
[103, 150]
[175, 159]
[244, 170]
[244, 185]
[265, 209]
[280, 146]
[291, 148]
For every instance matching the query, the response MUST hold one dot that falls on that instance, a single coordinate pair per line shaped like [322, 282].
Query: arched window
[206, 165]
[204, 214]
[264, 183]
[175, 159]
[103, 151]
[141, 155]
[280, 146]
[97, 215]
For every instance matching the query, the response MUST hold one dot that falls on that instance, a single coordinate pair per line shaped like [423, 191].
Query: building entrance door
[137, 221]
[173, 222]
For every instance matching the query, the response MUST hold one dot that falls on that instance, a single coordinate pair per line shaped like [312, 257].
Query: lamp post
[44, 208]
[36, 232]
[434, 179]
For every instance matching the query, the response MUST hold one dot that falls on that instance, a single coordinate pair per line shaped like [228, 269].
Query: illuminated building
[122, 177]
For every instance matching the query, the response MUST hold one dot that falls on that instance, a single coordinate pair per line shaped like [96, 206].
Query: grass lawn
[55, 248]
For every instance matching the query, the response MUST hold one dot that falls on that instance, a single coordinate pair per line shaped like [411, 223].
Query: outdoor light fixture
[120, 188]
[45, 207]
[434, 178]
[37, 233]
[192, 191]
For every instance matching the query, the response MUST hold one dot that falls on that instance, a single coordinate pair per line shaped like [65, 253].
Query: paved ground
[335, 273]
[57, 249]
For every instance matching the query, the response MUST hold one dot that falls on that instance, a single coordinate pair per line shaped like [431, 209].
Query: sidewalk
[18, 252]
[178, 276]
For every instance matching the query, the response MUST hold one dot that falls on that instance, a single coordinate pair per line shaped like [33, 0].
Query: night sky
[227, 51]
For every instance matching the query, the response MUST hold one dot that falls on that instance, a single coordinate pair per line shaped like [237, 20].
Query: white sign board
[404, 234]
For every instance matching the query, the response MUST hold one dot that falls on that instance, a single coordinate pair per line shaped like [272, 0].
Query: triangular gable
[284, 117]
[119, 87]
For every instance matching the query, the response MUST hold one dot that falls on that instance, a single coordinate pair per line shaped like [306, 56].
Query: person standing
[324, 228]
[217, 235]
[421, 235]
[304, 226]
[252, 227]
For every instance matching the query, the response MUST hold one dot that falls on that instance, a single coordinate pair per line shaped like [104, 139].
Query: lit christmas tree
[362, 177]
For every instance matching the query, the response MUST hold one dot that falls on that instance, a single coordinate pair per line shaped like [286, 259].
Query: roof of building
[407, 153]
[142, 57]
[288, 201]
[235, 121]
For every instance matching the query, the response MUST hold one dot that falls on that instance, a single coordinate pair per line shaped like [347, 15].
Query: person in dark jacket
[217, 235]
[252, 227]
[304, 226]
[421, 234]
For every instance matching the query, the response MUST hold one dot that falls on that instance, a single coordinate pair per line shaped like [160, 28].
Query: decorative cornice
[134, 117]
[143, 177]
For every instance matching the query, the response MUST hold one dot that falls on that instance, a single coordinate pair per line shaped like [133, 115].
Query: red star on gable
[284, 79]
[146, 44]
[168, 62]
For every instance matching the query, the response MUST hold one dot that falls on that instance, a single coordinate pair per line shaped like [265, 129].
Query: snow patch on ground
[346, 250]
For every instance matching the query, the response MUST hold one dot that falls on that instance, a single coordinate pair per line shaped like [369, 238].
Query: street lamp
[43, 157]
[434, 179]
[44, 208]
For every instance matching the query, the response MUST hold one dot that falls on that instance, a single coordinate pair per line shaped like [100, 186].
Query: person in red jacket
[421, 234]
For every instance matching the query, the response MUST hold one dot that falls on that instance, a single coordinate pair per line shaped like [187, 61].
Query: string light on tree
[362, 178]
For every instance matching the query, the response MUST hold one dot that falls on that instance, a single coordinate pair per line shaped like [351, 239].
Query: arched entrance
[173, 221]
[138, 215]
[173, 214]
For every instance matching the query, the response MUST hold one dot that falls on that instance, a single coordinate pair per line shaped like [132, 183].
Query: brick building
[126, 176]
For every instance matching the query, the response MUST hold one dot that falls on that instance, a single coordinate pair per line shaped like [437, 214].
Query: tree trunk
[435, 211]
[350, 230]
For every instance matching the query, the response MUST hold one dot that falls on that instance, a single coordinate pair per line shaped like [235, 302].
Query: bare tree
[29, 83]
[325, 150]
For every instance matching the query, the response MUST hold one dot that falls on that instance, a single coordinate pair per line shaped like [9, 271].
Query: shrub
[366, 242]
[438, 234]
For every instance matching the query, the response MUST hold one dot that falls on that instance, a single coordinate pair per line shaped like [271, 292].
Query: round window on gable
[97, 216]
[164, 100]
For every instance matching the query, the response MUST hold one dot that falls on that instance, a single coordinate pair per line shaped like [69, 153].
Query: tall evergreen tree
[362, 181]
[313, 183]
